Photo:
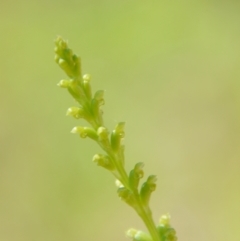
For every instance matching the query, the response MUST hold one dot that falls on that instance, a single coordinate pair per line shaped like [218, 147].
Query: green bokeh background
[170, 70]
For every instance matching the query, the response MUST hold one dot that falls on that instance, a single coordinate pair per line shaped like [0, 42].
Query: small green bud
[61, 43]
[117, 135]
[87, 86]
[68, 61]
[63, 64]
[127, 196]
[165, 220]
[97, 101]
[135, 175]
[137, 235]
[102, 133]
[85, 132]
[76, 91]
[76, 112]
[77, 65]
[87, 77]
[103, 138]
[103, 161]
[99, 97]
[66, 67]
[64, 83]
[131, 233]
[147, 188]
[166, 232]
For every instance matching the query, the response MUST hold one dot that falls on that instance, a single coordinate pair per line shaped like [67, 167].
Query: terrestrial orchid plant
[112, 159]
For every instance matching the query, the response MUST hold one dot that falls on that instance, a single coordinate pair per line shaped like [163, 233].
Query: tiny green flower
[135, 175]
[76, 112]
[165, 219]
[85, 132]
[127, 196]
[117, 136]
[147, 188]
[64, 83]
[137, 235]
[103, 161]
[87, 86]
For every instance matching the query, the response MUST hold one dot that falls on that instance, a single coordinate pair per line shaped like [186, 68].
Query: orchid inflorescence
[89, 109]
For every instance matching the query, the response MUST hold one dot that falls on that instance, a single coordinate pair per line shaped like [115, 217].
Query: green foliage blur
[170, 70]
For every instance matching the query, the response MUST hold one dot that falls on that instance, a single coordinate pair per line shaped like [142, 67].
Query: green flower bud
[99, 97]
[61, 43]
[64, 83]
[167, 233]
[131, 233]
[87, 86]
[77, 65]
[135, 175]
[76, 112]
[68, 61]
[147, 188]
[87, 77]
[165, 220]
[103, 161]
[117, 135]
[103, 138]
[66, 67]
[127, 196]
[76, 91]
[137, 235]
[102, 133]
[97, 101]
[85, 132]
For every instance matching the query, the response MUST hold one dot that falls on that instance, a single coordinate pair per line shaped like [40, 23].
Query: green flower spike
[89, 109]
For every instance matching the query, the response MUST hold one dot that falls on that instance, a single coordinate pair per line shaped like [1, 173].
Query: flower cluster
[89, 109]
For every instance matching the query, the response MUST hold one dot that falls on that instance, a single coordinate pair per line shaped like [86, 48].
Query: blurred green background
[170, 70]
